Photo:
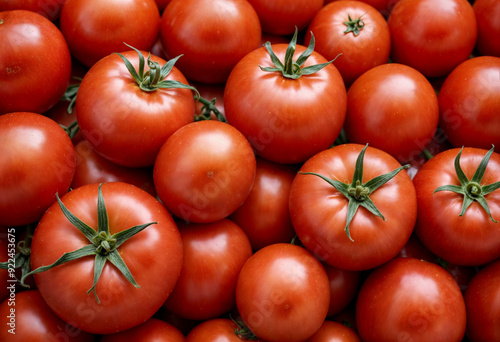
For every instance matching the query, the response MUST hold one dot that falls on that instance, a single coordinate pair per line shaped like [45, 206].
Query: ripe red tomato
[409, 299]
[488, 27]
[50, 9]
[211, 35]
[338, 224]
[35, 63]
[153, 330]
[123, 122]
[204, 171]
[353, 33]
[283, 293]
[109, 301]
[37, 160]
[383, 6]
[217, 329]
[432, 36]
[334, 331]
[214, 254]
[469, 100]
[95, 28]
[344, 286]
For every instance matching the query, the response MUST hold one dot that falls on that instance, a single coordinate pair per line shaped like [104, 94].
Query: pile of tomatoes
[233, 170]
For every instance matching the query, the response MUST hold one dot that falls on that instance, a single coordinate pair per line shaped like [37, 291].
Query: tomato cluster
[235, 170]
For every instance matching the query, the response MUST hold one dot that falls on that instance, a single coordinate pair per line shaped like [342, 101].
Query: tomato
[204, 171]
[338, 222]
[264, 215]
[35, 64]
[32, 145]
[125, 123]
[95, 29]
[283, 293]
[214, 254]
[409, 299]
[468, 102]
[488, 27]
[432, 36]
[334, 331]
[287, 112]
[482, 301]
[95, 295]
[281, 17]
[344, 286]
[459, 205]
[153, 330]
[50, 9]
[392, 107]
[28, 318]
[383, 6]
[217, 329]
[353, 33]
[212, 36]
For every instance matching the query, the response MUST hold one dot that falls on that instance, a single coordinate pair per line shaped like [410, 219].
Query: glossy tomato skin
[319, 211]
[285, 120]
[344, 286]
[50, 9]
[432, 36]
[95, 29]
[32, 145]
[204, 171]
[153, 256]
[353, 54]
[211, 35]
[153, 330]
[468, 240]
[283, 293]
[217, 329]
[468, 103]
[402, 121]
[334, 331]
[488, 27]
[214, 254]
[482, 300]
[31, 319]
[410, 299]
[123, 123]
[35, 64]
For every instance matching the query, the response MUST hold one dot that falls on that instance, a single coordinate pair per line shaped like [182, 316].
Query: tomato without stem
[334, 331]
[488, 27]
[153, 330]
[50, 9]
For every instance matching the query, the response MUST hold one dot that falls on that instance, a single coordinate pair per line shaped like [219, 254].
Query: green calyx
[357, 192]
[103, 245]
[290, 68]
[355, 26]
[472, 189]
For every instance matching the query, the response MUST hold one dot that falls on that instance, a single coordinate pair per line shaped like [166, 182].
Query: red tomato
[153, 257]
[283, 17]
[212, 36]
[285, 118]
[264, 215]
[35, 63]
[456, 226]
[344, 286]
[383, 6]
[50, 9]
[334, 331]
[214, 254]
[482, 300]
[345, 231]
[95, 28]
[392, 107]
[153, 330]
[353, 33]
[124, 123]
[409, 299]
[37, 160]
[28, 318]
[217, 329]
[283, 293]
[204, 171]
[469, 100]
[432, 36]
[488, 27]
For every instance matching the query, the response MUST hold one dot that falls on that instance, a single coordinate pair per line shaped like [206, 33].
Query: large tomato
[217, 329]
[37, 160]
[95, 28]
[153, 330]
[334, 201]
[212, 36]
[488, 27]
[409, 299]
[432, 36]
[392, 107]
[35, 63]
[459, 205]
[331, 331]
[128, 257]
[128, 116]
[469, 100]
[353, 33]
[288, 108]
[48, 8]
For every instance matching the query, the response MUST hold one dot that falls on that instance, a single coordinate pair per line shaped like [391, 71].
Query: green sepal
[355, 26]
